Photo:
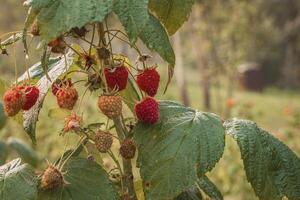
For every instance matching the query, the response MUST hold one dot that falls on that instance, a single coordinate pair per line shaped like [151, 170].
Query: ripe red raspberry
[60, 83]
[66, 97]
[147, 110]
[13, 99]
[116, 78]
[31, 96]
[148, 81]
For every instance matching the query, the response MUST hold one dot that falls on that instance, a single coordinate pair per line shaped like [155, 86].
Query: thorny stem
[110, 45]
[102, 43]
[127, 177]
[111, 154]
[93, 36]
[127, 167]
[80, 142]
[15, 61]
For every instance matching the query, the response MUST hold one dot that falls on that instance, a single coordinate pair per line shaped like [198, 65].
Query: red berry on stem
[13, 100]
[31, 96]
[148, 81]
[60, 83]
[116, 78]
[147, 110]
[67, 97]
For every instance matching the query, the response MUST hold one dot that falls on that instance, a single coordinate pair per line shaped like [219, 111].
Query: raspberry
[66, 97]
[116, 78]
[148, 81]
[31, 96]
[60, 83]
[147, 110]
[103, 141]
[52, 178]
[13, 99]
[127, 149]
[73, 122]
[111, 106]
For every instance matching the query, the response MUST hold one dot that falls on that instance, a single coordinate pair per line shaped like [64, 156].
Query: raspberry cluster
[22, 97]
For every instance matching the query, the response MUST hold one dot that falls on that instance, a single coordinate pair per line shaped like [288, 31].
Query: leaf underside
[181, 145]
[17, 181]
[31, 116]
[133, 15]
[59, 16]
[156, 38]
[271, 167]
[172, 13]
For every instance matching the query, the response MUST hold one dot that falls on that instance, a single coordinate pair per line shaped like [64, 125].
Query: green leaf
[59, 16]
[2, 116]
[86, 180]
[31, 116]
[71, 153]
[133, 15]
[172, 13]
[191, 194]
[181, 145]
[156, 38]
[24, 151]
[271, 167]
[130, 95]
[17, 181]
[3, 152]
[209, 188]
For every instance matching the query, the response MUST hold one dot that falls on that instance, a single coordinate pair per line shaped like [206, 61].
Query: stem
[127, 177]
[111, 154]
[102, 43]
[127, 167]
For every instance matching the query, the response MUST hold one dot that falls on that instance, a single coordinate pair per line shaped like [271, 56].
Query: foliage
[174, 154]
[15, 175]
[85, 179]
[172, 13]
[271, 167]
[163, 149]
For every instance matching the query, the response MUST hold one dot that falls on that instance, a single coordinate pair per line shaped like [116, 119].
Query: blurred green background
[236, 58]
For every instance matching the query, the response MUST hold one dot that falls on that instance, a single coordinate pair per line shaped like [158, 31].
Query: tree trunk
[179, 70]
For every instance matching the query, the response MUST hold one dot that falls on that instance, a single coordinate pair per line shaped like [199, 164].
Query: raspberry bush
[174, 146]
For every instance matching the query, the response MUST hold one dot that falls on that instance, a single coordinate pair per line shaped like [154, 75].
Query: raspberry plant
[176, 145]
